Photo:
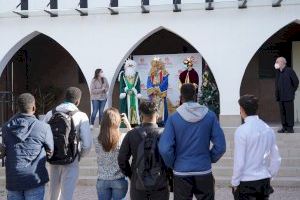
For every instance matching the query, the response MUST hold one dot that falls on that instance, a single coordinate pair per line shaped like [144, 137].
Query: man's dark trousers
[253, 190]
[203, 187]
[287, 114]
[162, 194]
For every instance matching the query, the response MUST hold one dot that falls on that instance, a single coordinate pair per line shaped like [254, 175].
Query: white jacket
[81, 122]
[256, 154]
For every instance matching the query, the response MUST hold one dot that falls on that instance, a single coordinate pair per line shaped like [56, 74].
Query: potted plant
[46, 98]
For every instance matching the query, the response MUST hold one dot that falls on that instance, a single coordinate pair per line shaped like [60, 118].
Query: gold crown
[189, 60]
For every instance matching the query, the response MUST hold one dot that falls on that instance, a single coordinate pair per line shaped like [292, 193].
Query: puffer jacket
[26, 140]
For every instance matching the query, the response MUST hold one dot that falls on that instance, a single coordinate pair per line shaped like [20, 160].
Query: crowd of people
[154, 161]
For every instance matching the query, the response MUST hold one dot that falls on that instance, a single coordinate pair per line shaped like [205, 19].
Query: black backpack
[65, 138]
[150, 169]
[2, 150]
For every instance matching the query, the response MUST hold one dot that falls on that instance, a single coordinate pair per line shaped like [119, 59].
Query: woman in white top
[111, 183]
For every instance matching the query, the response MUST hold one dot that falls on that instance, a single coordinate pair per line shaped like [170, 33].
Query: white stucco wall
[227, 39]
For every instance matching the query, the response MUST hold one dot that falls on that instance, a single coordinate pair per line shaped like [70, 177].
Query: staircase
[289, 174]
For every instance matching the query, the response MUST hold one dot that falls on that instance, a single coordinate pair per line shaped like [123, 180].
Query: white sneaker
[92, 126]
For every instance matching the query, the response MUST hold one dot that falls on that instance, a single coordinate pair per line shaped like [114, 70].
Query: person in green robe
[130, 92]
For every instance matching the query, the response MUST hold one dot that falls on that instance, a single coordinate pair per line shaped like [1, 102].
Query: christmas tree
[209, 91]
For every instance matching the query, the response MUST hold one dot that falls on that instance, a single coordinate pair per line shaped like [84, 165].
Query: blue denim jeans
[32, 194]
[112, 189]
[98, 106]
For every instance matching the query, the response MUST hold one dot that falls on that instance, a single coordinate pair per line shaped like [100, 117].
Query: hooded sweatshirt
[81, 122]
[185, 142]
[26, 139]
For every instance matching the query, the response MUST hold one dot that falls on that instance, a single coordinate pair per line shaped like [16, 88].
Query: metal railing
[7, 106]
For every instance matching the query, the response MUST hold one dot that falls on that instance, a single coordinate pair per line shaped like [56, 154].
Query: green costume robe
[129, 105]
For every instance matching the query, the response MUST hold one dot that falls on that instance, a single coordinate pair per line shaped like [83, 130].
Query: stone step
[275, 127]
[276, 182]
[283, 172]
[220, 181]
[217, 170]
[286, 137]
[229, 132]
[285, 152]
[295, 144]
[229, 135]
[224, 161]
[285, 162]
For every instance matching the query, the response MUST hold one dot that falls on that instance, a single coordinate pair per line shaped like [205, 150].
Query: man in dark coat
[27, 142]
[286, 84]
[130, 148]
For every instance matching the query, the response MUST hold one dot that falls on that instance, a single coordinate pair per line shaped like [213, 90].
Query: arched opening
[44, 68]
[173, 50]
[259, 77]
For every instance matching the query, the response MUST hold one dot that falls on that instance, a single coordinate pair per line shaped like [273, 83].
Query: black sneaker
[281, 130]
[290, 131]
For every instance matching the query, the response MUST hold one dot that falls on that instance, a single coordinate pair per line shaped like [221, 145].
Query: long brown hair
[109, 132]
[97, 71]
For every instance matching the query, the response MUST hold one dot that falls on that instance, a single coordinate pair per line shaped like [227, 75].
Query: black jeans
[287, 114]
[253, 190]
[162, 194]
[203, 187]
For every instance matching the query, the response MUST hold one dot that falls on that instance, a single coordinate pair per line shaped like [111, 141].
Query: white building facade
[227, 37]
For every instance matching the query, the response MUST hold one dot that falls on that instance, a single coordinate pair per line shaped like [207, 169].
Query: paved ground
[222, 193]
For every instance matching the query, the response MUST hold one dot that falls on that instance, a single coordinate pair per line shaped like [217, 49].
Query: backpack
[2, 150]
[65, 138]
[150, 169]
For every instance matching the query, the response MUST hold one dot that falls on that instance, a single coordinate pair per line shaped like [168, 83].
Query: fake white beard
[130, 71]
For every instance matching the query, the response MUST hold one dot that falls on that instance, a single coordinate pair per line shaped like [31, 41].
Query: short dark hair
[249, 103]
[188, 92]
[73, 94]
[25, 102]
[148, 108]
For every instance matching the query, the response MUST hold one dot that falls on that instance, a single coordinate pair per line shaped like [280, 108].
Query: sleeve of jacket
[276, 86]
[124, 156]
[85, 135]
[295, 80]
[166, 144]
[218, 141]
[275, 159]
[47, 116]
[239, 157]
[94, 89]
[48, 143]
